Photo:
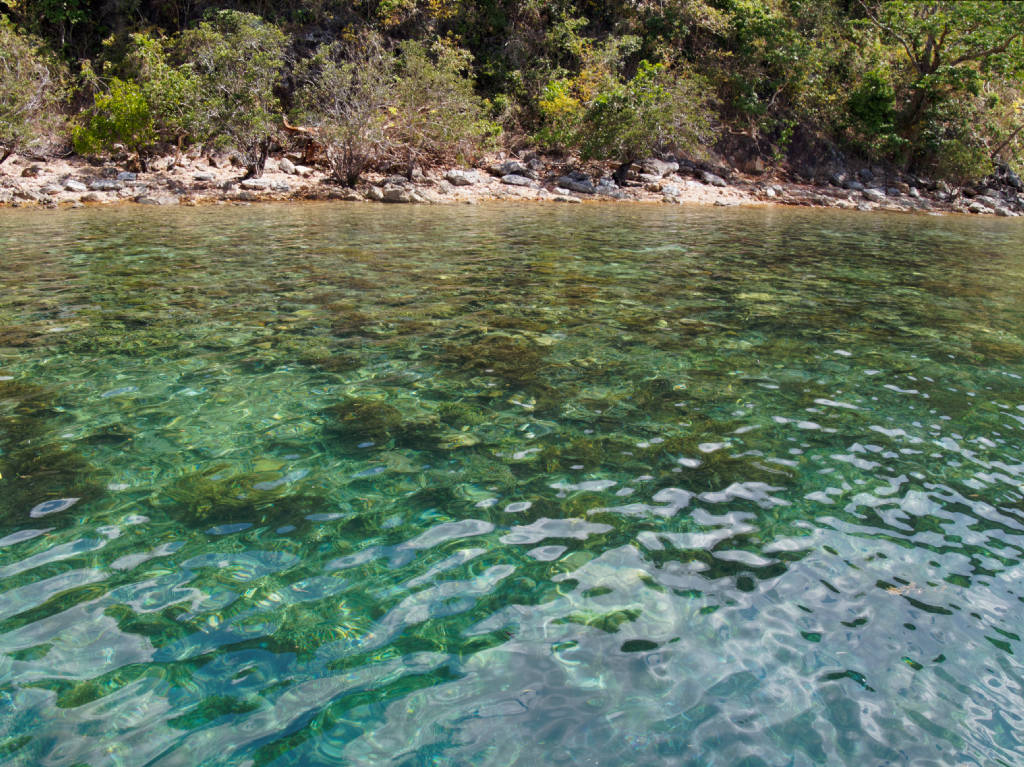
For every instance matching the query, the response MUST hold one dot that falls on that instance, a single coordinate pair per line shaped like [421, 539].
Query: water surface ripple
[321, 484]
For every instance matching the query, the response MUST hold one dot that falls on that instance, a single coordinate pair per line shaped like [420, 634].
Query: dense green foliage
[372, 106]
[31, 89]
[932, 87]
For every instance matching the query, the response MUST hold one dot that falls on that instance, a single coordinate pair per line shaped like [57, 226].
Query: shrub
[655, 110]
[373, 106]
[173, 94]
[436, 115]
[119, 115]
[872, 116]
[237, 59]
[31, 93]
[560, 113]
[344, 92]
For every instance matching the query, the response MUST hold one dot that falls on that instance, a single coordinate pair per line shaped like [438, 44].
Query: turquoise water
[498, 485]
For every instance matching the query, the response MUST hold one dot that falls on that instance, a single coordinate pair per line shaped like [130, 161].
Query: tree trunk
[256, 168]
[621, 171]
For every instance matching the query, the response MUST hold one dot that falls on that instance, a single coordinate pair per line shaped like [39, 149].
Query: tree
[950, 50]
[31, 93]
[344, 93]
[237, 58]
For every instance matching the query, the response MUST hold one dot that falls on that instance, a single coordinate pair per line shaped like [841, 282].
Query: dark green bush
[237, 60]
[345, 93]
[31, 93]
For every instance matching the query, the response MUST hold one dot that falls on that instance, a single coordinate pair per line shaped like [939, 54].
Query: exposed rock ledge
[74, 183]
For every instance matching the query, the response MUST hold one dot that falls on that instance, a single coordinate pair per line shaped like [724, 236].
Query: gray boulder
[660, 168]
[400, 194]
[608, 188]
[512, 168]
[514, 179]
[874, 195]
[156, 199]
[852, 185]
[582, 186]
[254, 184]
[204, 176]
[712, 179]
[348, 195]
[75, 186]
[286, 166]
[105, 185]
[462, 177]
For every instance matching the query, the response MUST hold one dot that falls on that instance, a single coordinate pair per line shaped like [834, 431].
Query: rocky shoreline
[193, 180]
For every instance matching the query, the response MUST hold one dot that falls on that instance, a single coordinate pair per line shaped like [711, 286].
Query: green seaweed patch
[213, 496]
[590, 452]
[212, 708]
[117, 340]
[160, 628]
[363, 419]
[21, 398]
[609, 622]
[34, 468]
[657, 397]
[21, 336]
[336, 361]
[721, 468]
[512, 358]
[461, 415]
[112, 434]
[10, 746]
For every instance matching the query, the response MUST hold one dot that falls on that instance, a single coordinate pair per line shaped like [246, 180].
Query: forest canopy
[928, 87]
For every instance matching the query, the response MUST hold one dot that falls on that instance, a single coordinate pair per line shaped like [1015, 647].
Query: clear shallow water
[510, 486]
